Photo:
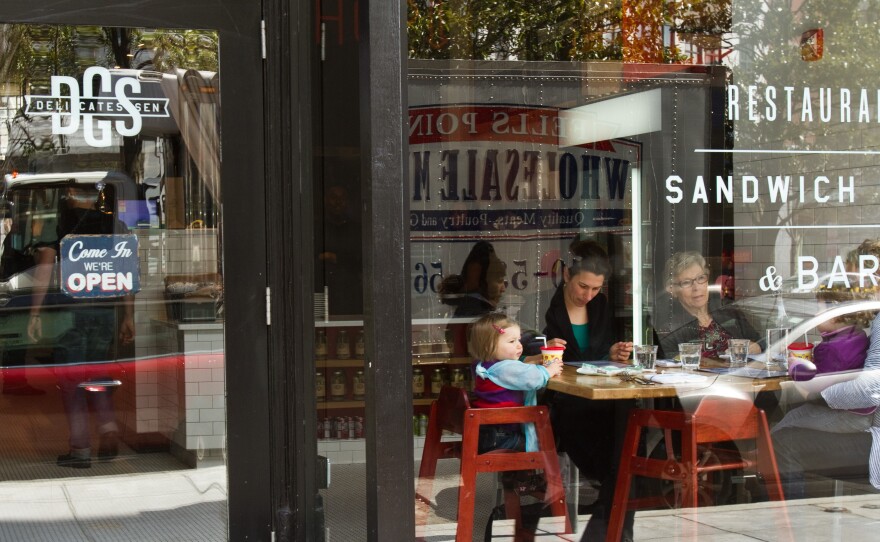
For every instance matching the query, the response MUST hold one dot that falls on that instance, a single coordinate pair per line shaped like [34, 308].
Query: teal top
[581, 335]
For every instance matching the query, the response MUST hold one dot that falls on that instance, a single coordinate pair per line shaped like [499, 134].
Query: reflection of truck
[32, 206]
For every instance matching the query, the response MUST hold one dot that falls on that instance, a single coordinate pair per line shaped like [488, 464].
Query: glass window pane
[721, 154]
[111, 286]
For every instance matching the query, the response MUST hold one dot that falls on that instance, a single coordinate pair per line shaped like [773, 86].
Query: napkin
[677, 378]
[606, 370]
[667, 363]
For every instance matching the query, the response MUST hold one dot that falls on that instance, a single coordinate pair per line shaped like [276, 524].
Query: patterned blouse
[714, 339]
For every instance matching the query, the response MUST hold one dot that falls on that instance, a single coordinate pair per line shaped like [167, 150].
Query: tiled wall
[179, 377]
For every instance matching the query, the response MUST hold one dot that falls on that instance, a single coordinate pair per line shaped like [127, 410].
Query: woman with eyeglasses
[694, 315]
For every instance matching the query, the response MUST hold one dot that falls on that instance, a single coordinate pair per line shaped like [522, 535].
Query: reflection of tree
[31, 54]
[629, 30]
[768, 54]
[188, 49]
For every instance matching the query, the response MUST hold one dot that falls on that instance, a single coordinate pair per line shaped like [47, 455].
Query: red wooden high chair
[451, 411]
[715, 420]
[447, 414]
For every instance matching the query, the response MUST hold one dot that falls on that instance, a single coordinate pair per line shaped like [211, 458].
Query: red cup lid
[800, 346]
[552, 348]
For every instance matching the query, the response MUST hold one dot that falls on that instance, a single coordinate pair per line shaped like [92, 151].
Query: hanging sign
[95, 266]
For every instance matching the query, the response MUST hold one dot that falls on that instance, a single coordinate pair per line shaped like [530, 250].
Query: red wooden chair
[451, 411]
[473, 462]
[715, 420]
[447, 414]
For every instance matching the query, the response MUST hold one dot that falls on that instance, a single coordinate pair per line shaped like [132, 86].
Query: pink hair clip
[498, 329]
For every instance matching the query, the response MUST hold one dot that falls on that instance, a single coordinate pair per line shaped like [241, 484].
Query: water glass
[690, 354]
[738, 349]
[645, 355]
[777, 346]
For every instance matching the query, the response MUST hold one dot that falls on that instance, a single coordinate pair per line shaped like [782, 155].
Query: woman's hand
[556, 342]
[620, 351]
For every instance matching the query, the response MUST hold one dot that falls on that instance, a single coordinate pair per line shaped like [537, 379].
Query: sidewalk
[183, 505]
[190, 505]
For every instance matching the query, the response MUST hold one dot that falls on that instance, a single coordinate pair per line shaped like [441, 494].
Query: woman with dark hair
[480, 285]
[579, 312]
[581, 315]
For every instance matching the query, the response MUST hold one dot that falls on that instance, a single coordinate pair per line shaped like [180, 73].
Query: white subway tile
[200, 428]
[212, 415]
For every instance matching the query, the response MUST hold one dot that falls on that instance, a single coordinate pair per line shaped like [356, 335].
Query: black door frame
[291, 77]
[244, 237]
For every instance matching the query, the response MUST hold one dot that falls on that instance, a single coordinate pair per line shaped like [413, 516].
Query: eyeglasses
[702, 279]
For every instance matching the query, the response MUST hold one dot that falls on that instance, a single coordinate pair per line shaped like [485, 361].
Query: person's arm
[860, 392]
[514, 375]
[735, 323]
[44, 264]
[872, 362]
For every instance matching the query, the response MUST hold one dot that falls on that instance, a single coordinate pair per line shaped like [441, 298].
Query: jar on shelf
[359, 347]
[320, 344]
[343, 349]
[337, 386]
[438, 378]
[418, 383]
[458, 378]
[320, 386]
[359, 385]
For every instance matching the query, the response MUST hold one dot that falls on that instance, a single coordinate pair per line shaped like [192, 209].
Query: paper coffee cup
[801, 350]
[549, 354]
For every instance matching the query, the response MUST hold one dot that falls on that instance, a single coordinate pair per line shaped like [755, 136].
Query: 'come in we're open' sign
[94, 266]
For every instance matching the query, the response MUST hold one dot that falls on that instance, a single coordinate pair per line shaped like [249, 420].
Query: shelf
[354, 362]
[331, 405]
[426, 360]
[414, 322]
[416, 360]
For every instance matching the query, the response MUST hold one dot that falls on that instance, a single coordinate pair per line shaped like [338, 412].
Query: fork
[628, 377]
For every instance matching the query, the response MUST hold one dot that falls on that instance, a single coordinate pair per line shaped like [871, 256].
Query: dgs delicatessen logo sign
[120, 98]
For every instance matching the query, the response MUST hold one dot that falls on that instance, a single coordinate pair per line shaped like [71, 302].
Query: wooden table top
[612, 387]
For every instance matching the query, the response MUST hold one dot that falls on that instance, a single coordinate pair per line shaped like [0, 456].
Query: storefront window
[722, 155]
[111, 286]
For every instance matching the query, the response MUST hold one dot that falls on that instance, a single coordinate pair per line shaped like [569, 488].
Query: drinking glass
[645, 355]
[690, 353]
[777, 346]
[738, 349]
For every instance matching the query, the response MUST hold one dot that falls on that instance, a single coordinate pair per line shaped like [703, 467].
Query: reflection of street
[29, 449]
[35, 427]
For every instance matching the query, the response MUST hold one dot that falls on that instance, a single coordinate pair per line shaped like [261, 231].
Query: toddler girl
[844, 347]
[844, 344]
[501, 380]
